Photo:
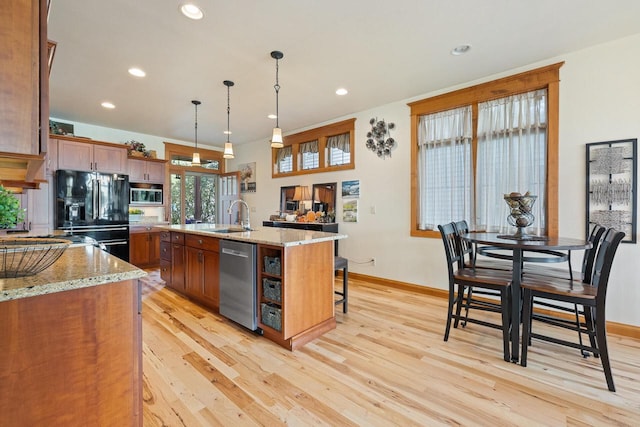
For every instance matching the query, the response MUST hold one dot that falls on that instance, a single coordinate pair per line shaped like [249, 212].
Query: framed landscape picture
[611, 186]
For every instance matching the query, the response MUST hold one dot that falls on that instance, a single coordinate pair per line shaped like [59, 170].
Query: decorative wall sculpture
[377, 140]
[612, 187]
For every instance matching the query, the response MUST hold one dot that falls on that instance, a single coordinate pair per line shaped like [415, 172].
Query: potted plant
[10, 211]
[135, 214]
[136, 149]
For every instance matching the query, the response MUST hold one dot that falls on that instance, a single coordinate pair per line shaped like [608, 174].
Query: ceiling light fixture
[196, 156]
[272, 116]
[461, 50]
[191, 11]
[108, 105]
[342, 91]
[228, 147]
[276, 136]
[137, 72]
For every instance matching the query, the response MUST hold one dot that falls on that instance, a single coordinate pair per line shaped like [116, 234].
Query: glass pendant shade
[196, 159]
[228, 151]
[196, 156]
[276, 138]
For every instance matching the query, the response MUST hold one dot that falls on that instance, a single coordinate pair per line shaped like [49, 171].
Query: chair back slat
[603, 262]
[590, 254]
[464, 248]
[449, 239]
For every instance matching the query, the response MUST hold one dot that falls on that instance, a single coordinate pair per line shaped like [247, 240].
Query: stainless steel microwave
[145, 196]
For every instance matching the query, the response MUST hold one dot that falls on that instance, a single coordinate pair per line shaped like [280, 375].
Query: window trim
[547, 77]
[321, 134]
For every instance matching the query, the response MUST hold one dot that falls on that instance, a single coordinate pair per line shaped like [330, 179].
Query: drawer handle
[199, 241]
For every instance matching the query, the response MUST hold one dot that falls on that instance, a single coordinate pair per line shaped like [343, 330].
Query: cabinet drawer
[165, 251]
[165, 270]
[165, 236]
[177, 237]
[201, 242]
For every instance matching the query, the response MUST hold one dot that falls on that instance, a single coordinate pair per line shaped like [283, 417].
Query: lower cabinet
[190, 264]
[144, 246]
[202, 270]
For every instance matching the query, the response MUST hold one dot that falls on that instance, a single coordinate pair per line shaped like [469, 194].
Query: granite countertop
[264, 235]
[79, 267]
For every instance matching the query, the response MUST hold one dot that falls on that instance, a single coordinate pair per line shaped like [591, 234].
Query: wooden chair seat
[555, 286]
[485, 277]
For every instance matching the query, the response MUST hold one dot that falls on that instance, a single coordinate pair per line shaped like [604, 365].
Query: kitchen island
[71, 343]
[295, 276]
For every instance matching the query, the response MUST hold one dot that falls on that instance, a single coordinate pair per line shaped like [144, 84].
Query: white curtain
[284, 159]
[309, 147]
[445, 180]
[512, 153]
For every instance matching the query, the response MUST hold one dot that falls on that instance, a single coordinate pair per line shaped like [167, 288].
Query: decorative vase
[520, 215]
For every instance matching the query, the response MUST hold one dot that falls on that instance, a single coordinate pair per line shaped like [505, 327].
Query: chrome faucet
[246, 224]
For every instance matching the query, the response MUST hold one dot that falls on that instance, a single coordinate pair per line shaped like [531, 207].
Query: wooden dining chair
[463, 280]
[584, 274]
[591, 296]
[470, 256]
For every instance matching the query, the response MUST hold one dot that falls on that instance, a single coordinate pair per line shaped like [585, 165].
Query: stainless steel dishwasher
[238, 291]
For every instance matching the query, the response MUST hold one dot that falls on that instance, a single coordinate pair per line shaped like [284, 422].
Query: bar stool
[340, 263]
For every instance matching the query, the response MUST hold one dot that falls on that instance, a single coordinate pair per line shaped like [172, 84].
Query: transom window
[316, 150]
[470, 147]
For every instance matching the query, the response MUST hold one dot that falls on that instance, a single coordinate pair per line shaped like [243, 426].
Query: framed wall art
[612, 186]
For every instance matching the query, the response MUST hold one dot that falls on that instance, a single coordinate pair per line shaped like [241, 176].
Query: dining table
[546, 246]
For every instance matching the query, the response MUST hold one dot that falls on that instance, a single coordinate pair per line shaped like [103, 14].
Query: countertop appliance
[95, 205]
[238, 290]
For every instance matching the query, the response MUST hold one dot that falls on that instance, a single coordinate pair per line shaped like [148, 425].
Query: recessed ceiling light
[272, 116]
[108, 105]
[137, 72]
[461, 50]
[342, 91]
[191, 11]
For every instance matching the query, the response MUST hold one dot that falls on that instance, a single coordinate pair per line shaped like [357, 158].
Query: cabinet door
[20, 77]
[110, 159]
[177, 267]
[154, 248]
[137, 170]
[40, 209]
[194, 271]
[211, 278]
[139, 249]
[155, 172]
[75, 155]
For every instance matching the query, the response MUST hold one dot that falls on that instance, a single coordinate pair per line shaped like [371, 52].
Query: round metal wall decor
[379, 138]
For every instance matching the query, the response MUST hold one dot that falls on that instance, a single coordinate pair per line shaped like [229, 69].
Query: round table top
[563, 243]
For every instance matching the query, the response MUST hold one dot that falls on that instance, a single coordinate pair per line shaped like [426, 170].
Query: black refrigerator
[95, 205]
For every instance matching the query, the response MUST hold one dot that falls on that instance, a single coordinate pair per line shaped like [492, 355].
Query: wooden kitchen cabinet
[74, 154]
[24, 88]
[144, 246]
[165, 257]
[177, 262]
[303, 306]
[149, 171]
[202, 270]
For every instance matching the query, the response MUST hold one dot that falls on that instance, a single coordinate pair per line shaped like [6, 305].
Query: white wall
[599, 101]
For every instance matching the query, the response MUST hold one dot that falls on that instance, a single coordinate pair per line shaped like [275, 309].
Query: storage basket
[272, 265]
[29, 256]
[272, 289]
[271, 316]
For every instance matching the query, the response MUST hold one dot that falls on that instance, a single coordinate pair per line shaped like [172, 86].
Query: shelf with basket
[270, 287]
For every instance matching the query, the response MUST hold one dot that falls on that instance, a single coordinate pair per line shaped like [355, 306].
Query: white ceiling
[381, 51]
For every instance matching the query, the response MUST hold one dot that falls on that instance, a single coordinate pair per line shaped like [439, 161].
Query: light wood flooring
[385, 365]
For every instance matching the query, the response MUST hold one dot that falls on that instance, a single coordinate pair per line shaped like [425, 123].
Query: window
[316, 150]
[472, 146]
[339, 149]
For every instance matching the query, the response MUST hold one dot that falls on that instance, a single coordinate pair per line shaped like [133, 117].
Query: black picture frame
[611, 187]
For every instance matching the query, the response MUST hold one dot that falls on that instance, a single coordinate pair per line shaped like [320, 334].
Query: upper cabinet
[146, 171]
[92, 156]
[24, 90]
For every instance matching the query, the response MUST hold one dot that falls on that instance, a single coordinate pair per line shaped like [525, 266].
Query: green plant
[134, 211]
[10, 211]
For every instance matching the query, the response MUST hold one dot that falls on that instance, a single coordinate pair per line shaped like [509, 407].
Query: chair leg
[588, 318]
[452, 299]
[506, 322]
[526, 325]
[459, 302]
[601, 338]
[345, 289]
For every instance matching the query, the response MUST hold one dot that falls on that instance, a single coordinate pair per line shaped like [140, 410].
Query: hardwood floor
[385, 365]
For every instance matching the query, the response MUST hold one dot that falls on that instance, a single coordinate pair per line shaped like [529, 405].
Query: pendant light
[196, 156]
[228, 147]
[276, 137]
